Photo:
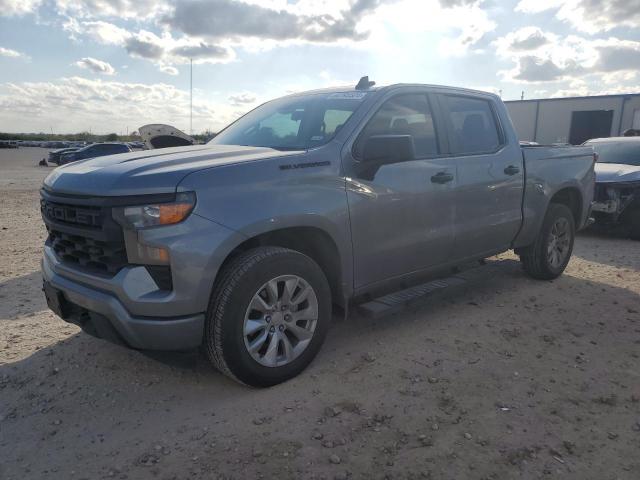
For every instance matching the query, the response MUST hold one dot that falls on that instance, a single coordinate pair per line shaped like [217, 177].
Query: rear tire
[549, 255]
[253, 304]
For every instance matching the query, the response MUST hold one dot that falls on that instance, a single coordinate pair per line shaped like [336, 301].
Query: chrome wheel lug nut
[272, 329]
[283, 308]
[268, 319]
[287, 317]
[281, 328]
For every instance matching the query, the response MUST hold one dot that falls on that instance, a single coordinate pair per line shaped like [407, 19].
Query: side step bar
[397, 301]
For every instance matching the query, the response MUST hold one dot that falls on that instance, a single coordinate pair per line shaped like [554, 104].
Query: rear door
[402, 214]
[490, 176]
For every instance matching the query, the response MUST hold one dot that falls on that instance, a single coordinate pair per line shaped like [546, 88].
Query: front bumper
[613, 199]
[142, 315]
[101, 314]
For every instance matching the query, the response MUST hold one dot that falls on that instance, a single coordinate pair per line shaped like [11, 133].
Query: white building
[575, 119]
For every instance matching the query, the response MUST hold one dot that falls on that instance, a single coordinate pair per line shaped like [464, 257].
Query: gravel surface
[504, 377]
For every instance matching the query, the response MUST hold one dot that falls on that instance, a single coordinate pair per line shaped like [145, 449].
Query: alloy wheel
[559, 242]
[280, 320]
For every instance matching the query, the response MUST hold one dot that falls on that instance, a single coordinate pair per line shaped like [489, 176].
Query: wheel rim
[280, 320]
[559, 242]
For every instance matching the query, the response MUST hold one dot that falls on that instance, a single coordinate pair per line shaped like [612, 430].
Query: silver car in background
[617, 194]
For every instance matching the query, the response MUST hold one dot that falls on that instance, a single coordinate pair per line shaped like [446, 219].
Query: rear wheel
[268, 316]
[549, 255]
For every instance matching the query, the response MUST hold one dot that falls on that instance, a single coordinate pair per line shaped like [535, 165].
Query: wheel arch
[571, 197]
[312, 241]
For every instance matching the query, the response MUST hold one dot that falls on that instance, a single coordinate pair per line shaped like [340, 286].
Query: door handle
[442, 177]
[511, 170]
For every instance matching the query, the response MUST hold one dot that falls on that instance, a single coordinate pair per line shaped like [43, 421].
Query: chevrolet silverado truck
[243, 246]
[617, 192]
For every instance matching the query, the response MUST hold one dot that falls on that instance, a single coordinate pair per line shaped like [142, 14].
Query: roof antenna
[364, 84]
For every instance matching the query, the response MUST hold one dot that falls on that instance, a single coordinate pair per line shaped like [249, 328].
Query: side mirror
[383, 149]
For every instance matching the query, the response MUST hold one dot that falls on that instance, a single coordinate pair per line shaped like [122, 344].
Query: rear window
[473, 125]
[627, 153]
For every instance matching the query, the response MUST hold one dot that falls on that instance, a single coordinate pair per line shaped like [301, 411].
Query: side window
[281, 128]
[407, 114]
[473, 125]
[117, 149]
[334, 119]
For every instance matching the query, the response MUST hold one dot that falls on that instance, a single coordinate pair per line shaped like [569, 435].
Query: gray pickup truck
[242, 246]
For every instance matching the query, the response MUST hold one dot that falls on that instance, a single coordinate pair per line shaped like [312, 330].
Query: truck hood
[148, 172]
[616, 172]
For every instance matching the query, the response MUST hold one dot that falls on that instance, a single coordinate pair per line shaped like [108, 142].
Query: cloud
[212, 31]
[618, 56]
[145, 45]
[458, 3]
[163, 50]
[96, 66]
[202, 51]
[77, 104]
[588, 15]
[241, 99]
[524, 39]
[168, 69]
[583, 88]
[533, 69]
[7, 52]
[103, 32]
[10, 8]
[549, 57]
[136, 9]
[210, 19]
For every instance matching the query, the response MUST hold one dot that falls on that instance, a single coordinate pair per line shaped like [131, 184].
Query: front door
[402, 213]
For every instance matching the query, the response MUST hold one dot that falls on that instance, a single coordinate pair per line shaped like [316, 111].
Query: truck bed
[552, 170]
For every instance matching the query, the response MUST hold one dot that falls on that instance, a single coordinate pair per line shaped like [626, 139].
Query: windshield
[293, 123]
[618, 152]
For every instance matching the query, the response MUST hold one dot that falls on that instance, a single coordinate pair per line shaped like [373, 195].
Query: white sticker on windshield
[347, 95]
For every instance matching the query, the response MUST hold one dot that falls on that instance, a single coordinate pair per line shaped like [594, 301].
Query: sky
[114, 65]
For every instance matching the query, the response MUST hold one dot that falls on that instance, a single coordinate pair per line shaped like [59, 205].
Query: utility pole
[522, 96]
[191, 97]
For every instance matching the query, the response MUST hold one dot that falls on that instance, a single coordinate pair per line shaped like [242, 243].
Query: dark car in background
[56, 155]
[617, 194]
[95, 150]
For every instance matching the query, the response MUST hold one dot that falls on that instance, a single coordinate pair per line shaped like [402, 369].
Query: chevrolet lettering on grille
[69, 214]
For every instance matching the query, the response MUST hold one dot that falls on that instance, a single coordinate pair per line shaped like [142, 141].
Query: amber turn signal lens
[174, 213]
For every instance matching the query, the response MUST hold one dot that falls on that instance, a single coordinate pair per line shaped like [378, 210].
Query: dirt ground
[504, 377]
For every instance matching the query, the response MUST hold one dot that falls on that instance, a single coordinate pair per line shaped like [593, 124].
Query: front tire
[268, 316]
[549, 255]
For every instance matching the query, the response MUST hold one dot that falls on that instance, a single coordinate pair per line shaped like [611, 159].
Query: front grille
[88, 253]
[83, 234]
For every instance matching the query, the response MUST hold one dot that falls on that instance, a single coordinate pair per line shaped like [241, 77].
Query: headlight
[142, 216]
